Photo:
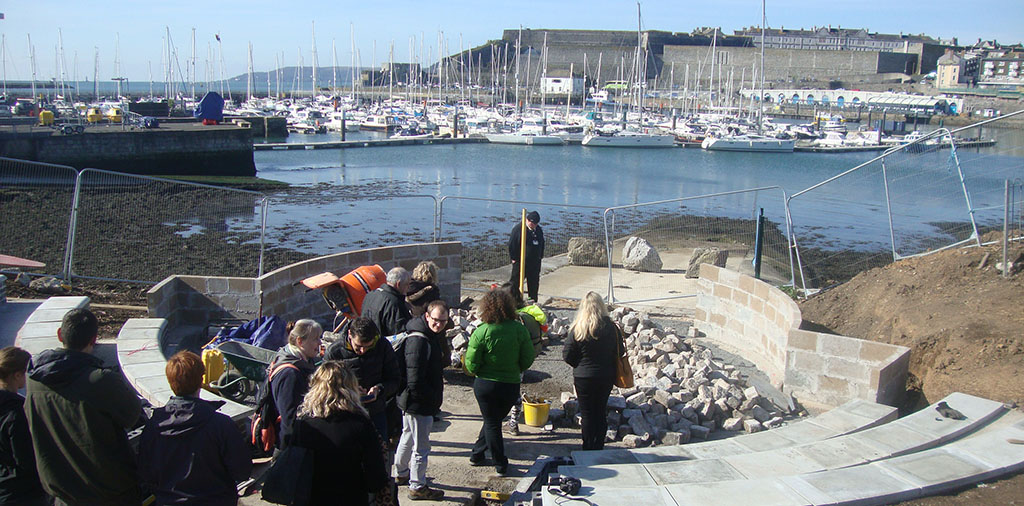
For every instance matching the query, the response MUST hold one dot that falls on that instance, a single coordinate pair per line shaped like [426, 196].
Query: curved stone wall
[762, 324]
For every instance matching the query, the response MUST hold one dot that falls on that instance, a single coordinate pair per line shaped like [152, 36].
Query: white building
[562, 86]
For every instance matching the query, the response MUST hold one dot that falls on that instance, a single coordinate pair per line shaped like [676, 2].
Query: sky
[133, 32]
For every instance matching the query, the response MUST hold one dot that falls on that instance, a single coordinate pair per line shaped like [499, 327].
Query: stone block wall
[3, 289]
[763, 324]
[194, 300]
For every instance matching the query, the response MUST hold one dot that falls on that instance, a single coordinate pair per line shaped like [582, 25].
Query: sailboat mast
[32, 58]
[192, 65]
[760, 92]
[312, 93]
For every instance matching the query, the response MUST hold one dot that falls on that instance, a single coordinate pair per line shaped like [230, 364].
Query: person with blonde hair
[348, 456]
[290, 370]
[498, 353]
[188, 452]
[592, 350]
[423, 288]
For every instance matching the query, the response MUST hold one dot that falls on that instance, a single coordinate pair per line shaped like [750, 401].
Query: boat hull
[630, 141]
[525, 140]
[749, 145]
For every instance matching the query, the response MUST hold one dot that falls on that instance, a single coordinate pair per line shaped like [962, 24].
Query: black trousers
[592, 395]
[532, 278]
[495, 399]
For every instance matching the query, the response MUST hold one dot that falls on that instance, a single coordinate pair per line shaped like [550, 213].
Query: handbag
[290, 477]
[623, 372]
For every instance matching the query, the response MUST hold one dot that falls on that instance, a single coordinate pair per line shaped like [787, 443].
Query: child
[19, 480]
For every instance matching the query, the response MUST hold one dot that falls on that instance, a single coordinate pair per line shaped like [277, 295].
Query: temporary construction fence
[677, 227]
[485, 225]
[109, 225]
[914, 199]
[320, 221]
[35, 209]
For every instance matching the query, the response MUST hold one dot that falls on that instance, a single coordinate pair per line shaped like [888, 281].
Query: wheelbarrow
[246, 372]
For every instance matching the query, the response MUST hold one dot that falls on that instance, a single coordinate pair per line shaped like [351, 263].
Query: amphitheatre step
[855, 415]
[984, 455]
[143, 362]
[921, 430]
[39, 333]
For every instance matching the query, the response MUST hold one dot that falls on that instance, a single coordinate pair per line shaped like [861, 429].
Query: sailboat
[626, 138]
[746, 141]
[530, 134]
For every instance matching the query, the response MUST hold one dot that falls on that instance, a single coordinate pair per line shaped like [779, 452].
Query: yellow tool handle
[491, 495]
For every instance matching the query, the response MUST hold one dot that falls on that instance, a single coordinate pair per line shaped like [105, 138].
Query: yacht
[748, 143]
[628, 139]
[379, 123]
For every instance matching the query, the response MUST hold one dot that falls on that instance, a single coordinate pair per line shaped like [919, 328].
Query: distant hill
[324, 76]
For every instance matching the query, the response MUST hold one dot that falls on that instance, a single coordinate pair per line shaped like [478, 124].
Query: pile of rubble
[682, 393]
[466, 321]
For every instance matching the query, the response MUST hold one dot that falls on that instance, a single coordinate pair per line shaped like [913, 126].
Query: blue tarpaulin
[266, 332]
[210, 107]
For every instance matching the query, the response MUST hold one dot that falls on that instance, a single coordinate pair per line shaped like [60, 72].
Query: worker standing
[533, 253]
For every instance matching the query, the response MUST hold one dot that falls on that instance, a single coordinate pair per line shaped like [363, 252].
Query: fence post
[1006, 226]
[263, 240]
[69, 248]
[758, 244]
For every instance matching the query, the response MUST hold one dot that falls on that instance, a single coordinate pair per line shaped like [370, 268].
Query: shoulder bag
[623, 372]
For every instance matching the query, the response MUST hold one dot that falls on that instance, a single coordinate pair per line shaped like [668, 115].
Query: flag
[218, 36]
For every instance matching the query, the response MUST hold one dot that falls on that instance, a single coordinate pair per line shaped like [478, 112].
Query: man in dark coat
[19, 480]
[421, 399]
[373, 360]
[188, 452]
[78, 412]
[386, 306]
[534, 253]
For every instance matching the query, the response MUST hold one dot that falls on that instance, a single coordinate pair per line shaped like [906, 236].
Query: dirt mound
[961, 319]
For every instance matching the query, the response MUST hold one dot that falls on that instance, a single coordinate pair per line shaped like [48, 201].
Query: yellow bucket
[536, 413]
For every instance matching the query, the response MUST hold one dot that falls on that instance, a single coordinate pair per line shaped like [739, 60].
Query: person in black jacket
[373, 361]
[423, 288]
[386, 306]
[348, 456]
[19, 481]
[290, 371]
[188, 452]
[592, 351]
[421, 399]
[534, 252]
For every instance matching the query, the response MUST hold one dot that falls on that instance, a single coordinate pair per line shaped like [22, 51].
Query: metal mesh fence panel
[676, 228]
[927, 202]
[484, 227]
[35, 203]
[137, 228]
[986, 169]
[316, 221]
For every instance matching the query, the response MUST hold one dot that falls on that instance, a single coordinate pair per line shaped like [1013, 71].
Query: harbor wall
[192, 150]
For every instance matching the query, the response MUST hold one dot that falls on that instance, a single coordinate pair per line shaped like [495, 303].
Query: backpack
[266, 420]
[398, 344]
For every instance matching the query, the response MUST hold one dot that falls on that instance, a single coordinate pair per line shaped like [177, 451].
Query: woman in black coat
[592, 350]
[348, 457]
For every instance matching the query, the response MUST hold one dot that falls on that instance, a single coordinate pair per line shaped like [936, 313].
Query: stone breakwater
[682, 392]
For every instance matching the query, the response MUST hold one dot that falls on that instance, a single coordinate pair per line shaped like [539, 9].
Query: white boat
[525, 138]
[626, 139]
[748, 143]
[379, 123]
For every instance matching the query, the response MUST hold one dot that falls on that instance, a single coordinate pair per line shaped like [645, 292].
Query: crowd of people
[364, 407]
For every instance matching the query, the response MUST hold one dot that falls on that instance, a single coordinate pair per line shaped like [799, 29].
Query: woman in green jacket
[499, 351]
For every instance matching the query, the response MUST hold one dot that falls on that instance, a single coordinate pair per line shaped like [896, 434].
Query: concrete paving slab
[42, 315]
[877, 413]
[47, 330]
[977, 410]
[674, 453]
[67, 302]
[599, 457]
[655, 496]
[766, 492]
[154, 388]
[840, 452]
[233, 409]
[694, 471]
[893, 439]
[611, 476]
[145, 323]
[993, 449]
[38, 345]
[853, 485]
[808, 432]
[716, 449]
[770, 439]
[781, 462]
[129, 345]
[142, 355]
[140, 333]
[148, 370]
[936, 470]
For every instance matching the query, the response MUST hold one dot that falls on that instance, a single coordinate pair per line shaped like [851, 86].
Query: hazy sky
[283, 28]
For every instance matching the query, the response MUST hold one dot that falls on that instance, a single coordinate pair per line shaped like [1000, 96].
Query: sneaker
[401, 481]
[425, 494]
[512, 429]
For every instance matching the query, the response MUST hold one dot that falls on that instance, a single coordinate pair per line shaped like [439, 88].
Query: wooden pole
[522, 250]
